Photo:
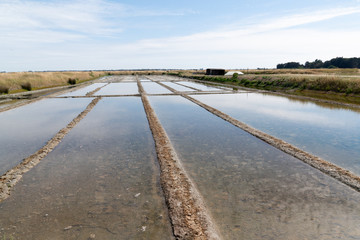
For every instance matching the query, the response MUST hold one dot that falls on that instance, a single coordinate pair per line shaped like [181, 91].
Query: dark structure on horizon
[215, 71]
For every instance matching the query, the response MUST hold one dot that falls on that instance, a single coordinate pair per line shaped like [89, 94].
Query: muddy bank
[285, 94]
[36, 95]
[330, 169]
[95, 91]
[13, 176]
[326, 167]
[188, 214]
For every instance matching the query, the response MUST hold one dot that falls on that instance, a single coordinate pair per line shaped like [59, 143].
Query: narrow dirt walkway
[324, 166]
[13, 176]
[95, 91]
[188, 214]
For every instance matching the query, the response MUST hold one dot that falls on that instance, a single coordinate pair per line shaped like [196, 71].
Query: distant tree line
[338, 62]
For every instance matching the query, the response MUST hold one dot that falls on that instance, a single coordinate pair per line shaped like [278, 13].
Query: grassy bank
[25, 81]
[328, 83]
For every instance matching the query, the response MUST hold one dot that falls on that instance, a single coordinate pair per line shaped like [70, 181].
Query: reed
[39, 80]
[315, 82]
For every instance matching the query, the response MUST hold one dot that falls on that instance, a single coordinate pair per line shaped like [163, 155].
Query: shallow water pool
[255, 191]
[328, 131]
[102, 182]
[26, 129]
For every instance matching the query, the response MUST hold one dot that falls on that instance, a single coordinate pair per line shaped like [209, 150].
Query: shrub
[71, 81]
[4, 89]
[348, 91]
[26, 86]
[234, 77]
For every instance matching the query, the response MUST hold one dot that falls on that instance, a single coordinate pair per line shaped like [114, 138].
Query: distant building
[230, 73]
[215, 71]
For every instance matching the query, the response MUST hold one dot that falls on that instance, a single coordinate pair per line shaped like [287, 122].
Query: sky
[39, 35]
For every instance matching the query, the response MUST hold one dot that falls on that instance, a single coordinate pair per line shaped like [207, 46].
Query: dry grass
[321, 71]
[335, 80]
[13, 81]
[39, 80]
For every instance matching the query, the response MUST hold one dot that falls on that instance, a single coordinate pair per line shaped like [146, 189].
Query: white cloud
[260, 45]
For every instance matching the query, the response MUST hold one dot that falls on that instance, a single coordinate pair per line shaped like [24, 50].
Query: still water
[178, 87]
[83, 91]
[201, 87]
[328, 131]
[101, 181]
[255, 191]
[154, 88]
[124, 88]
[26, 129]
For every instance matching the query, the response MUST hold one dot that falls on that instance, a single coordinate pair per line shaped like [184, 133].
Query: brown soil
[326, 167]
[187, 211]
[13, 176]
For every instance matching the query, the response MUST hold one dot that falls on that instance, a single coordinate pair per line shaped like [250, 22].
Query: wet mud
[188, 214]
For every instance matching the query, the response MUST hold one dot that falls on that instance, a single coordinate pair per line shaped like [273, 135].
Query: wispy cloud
[256, 36]
[263, 44]
[65, 20]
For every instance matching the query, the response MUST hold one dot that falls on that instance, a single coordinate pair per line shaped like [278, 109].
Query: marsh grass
[72, 81]
[316, 82]
[26, 86]
[7, 238]
[39, 80]
[4, 90]
[336, 71]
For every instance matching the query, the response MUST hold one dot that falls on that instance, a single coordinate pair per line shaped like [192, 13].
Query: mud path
[95, 91]
[324, 166]
[13, 176]
[189, 217]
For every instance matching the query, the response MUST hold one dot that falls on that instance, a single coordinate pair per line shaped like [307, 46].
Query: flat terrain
[164, 157]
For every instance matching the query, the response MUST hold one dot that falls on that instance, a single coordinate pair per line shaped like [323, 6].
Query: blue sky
[109, 34]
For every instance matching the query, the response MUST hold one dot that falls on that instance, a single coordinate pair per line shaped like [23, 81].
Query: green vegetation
[234, 77]
[338, 62]
[4, 90]
[72, 81]
[26, 86]
[20, 81]
[6, 238]
[291, 82]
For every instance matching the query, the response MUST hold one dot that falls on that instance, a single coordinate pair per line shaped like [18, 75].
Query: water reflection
[124, 88]
[26, 129]
[178, 87]
[332, 134]
[101, 181]
[253, 190]
[199, 86]
[154, 88]
[83, 91]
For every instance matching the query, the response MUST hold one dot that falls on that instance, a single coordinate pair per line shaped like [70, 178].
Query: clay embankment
[188, 214]
[13, 176]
